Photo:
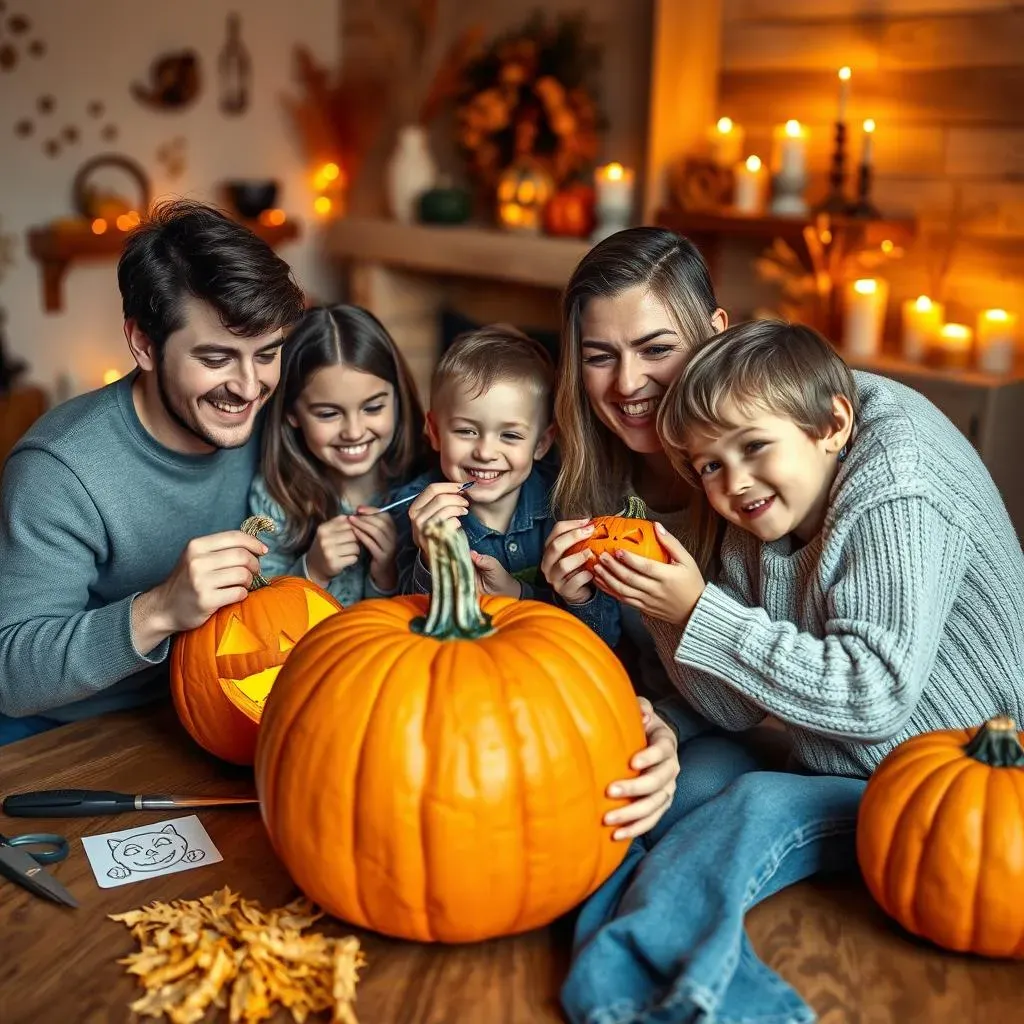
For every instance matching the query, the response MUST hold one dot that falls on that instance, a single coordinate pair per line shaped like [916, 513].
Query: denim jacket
[519, 550]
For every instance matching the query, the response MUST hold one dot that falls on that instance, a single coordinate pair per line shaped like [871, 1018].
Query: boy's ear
[432, 431]
[842, 425]
[719, 320]
[143, 350]
[544, 442]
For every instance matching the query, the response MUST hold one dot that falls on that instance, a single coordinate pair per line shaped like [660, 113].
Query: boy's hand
[570, 576]
[667, 592]
[493, 578]
[334, 549]
[378, 535]
[651, 792]
[438, 501]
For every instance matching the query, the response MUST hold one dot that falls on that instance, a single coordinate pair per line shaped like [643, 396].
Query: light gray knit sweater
[903, 615]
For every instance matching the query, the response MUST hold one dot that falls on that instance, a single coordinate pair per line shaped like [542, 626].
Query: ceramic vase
[411, 171]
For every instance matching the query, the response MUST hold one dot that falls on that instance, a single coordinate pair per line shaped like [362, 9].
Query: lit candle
[869, 131]
[954, 345]
[790, 149]
[866, 299]
[997, 340]
[613, 188]
[726, 139]
[922, 321]
[748, 195]
[844, 92]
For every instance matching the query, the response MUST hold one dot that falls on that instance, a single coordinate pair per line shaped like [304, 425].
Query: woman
[653, 943]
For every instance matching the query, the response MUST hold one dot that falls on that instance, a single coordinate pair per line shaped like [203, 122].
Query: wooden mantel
[459, 251]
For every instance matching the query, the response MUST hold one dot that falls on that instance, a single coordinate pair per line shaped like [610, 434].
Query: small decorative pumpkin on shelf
[222, 671]
[940, 838]
[435, 768]
[570, 212]
[630, 531]
[445, 204]
[523, 191]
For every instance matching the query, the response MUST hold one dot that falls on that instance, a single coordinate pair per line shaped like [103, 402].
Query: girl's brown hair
[595, 465]
[334, 336]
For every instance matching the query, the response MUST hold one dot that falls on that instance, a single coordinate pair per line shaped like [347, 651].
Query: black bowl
[251, 198]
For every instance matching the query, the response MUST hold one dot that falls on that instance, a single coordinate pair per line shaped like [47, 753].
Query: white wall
[95, 50]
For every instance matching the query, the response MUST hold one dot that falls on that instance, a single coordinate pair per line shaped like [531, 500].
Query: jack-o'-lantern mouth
[250, 694]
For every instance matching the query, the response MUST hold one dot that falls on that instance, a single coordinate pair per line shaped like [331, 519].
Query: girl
[344, 430]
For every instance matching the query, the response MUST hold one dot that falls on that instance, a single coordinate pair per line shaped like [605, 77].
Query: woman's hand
[650, 793]
[334, 549]
[376, 533]
[667, 592]
[570, 576]
[442, 500]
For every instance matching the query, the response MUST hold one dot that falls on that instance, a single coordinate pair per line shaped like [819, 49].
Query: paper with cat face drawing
[134, 854]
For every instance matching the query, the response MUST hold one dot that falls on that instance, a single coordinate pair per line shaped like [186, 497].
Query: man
[119, 510]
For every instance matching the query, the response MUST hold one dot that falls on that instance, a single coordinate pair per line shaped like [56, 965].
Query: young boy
[490, 422]
[871, 586]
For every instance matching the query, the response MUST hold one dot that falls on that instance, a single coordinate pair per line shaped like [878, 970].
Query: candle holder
[836, 201]
[788, 193]
[864, 208]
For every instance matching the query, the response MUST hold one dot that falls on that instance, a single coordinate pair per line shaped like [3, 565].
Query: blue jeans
[12, 729]
[663, 939]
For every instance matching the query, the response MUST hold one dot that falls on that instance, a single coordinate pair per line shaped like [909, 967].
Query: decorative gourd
[940, 838]
[435, 768]
[570, 212]
[222, 671]
[632, 531]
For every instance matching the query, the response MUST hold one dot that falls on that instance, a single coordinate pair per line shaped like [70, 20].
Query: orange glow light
[753, 164]
[109, 376]
[329, 172]
[273, 218]
[844, 74]
[724, 125]
[124, 222]
[322, 205]
[99, 226]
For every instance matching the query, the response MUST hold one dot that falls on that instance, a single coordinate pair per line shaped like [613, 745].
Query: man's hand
[211, 573]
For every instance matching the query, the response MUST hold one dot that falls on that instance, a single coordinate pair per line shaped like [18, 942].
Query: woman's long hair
[596, 466]
[334, 336]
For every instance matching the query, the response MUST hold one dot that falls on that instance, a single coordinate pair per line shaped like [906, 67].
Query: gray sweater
[903, 615]
[93, 511]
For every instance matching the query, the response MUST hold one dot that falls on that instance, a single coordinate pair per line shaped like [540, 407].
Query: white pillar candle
[997, 340]
[922, 321]
[790, 149]
[844, 92]
[954, 345]
[864, 318]
[726, 139]
[748, 193]
[613, 188]
[869, 131]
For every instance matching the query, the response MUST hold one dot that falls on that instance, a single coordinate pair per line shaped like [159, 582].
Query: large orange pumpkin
[222, 671]
[435, 769]
[632, 531]
[940, 838]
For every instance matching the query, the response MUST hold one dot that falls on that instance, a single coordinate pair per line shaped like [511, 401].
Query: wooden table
[59, 965]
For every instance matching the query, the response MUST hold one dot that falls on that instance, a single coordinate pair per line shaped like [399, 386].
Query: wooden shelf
[56, 248]
[462, 251]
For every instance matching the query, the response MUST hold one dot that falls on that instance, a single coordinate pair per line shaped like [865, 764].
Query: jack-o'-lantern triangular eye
[285, 642]
[600, 532]
[318, 608]
[239, 639]
[634, 536]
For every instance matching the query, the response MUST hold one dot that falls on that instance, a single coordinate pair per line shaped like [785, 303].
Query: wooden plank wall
[944, 79]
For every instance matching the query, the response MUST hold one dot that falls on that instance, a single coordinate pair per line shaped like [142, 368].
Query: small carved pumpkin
[222, 671]
[570, 212]
[940, 838]
[436, 768]
[632, 531]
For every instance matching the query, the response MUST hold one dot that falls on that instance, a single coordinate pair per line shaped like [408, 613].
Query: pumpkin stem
[996, 744]
[455, 612]
[254, 526]
[635, 507]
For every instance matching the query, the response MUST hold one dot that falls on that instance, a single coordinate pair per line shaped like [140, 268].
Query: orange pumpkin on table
[940, 838]
[435, 768]
[222, 671]
[631, 531]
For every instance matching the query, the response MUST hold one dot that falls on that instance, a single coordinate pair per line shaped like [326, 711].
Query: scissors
[26, 868]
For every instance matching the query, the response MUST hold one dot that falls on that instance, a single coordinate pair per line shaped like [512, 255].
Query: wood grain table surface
[59, 965]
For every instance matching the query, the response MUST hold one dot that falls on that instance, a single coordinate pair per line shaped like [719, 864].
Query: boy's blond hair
[477, 360]
[788, 370]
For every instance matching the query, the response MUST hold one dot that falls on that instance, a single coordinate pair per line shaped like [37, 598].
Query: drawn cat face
[149, 851]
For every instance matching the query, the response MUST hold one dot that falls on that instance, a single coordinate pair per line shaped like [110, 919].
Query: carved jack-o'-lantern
[223, 671]
[523, 191]
[631, 531]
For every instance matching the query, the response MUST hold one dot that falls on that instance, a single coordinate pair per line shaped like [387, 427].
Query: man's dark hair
[190, 249]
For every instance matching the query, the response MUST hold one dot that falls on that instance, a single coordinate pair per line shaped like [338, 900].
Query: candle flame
[997, 315]
[322, 205]
[865, 286]
[869, 125]
[923, 304]
[844, 73]
[753, 164]
[793, 129]
[615, 172]
[724, 125]
[330, 171]
[958, 332]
